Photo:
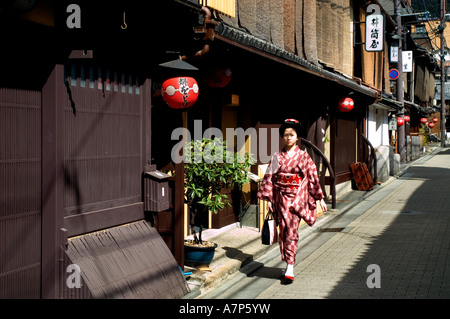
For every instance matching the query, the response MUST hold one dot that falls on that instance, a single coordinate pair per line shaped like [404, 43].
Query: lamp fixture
[178, 64]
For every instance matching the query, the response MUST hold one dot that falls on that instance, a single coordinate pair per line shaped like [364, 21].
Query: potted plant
[209, 169]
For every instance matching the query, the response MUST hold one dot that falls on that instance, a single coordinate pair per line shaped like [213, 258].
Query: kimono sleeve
[265, 191]
[310, 190]
[314, 188]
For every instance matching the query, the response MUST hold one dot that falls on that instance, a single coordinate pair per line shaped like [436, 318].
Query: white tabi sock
[289, 270]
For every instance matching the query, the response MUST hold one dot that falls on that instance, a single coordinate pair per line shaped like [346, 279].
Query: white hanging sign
[394, 53]
[374, 30]
[407, 61]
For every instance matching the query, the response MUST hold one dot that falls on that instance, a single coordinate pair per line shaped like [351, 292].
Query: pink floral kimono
[292, 185]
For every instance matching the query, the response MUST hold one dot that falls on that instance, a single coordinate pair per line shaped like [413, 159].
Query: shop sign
[374, 30]
[393, 124]
[393, 57]
[407, 61]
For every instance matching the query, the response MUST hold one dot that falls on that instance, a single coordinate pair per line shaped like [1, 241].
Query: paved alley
[393, 244]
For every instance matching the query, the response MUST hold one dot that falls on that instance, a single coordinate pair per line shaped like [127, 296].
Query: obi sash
[289, 180]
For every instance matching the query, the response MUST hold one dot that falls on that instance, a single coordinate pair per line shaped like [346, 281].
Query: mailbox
[156, 190]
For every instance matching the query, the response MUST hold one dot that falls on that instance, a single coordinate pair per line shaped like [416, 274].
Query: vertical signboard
[407, 61]
[374, 30]
[393, 58]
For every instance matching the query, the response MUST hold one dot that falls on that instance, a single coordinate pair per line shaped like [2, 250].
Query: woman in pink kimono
[291, 187]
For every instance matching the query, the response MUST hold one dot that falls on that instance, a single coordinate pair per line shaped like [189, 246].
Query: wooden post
[179, 207]
[53, 99]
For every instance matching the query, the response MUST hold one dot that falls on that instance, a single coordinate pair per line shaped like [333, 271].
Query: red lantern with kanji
[346, 104]
[435, 119]
[407, 118]
[400, 121]
[218, 77]
[180, 92]
[423, 120]
[431, 125]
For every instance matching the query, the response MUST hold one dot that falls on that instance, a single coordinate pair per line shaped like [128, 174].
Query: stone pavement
[396, 236]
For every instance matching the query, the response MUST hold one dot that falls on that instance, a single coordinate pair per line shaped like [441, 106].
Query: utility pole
[401, 144]
[443, 133]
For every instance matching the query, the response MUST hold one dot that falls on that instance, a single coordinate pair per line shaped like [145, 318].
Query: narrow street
[125, 135]
[394, 244]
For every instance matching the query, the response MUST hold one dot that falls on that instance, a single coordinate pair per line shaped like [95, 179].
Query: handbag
[269, 233]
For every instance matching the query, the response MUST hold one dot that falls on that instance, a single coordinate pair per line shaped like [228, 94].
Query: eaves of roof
[422, 109]
[390, 104]
[394, 105]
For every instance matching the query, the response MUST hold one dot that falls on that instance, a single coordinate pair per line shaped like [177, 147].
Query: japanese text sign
[374, 30]
[407, 61]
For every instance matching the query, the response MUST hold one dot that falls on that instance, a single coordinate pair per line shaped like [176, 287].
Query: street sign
[393, 74]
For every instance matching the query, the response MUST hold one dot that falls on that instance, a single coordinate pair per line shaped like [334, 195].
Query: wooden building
[77, 132]
[295, 60]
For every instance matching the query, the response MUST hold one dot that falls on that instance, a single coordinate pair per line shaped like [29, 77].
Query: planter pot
[198, 255]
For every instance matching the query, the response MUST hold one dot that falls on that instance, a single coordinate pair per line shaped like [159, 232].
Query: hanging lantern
[431, 125]
[423, 120]
[180, 92]
[407, 118]
[218, 77]
[400, 121]
[435, 119]
[346, 104]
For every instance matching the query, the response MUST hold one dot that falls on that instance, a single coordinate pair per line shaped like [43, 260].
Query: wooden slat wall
[20, 193]
[103, 147]
[316, 30]
[102, 154]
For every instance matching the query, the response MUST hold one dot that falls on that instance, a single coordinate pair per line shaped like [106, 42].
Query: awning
[394, 105]
[389, 104]
[423, 109]
[251, 43]
[131, 261]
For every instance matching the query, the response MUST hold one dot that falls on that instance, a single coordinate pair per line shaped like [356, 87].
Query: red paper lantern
[400, 121]
[180, 92]
[219, 77]
[423, 120]
[431, 125]
[407, 118]
[435, 119]
[346, 104]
